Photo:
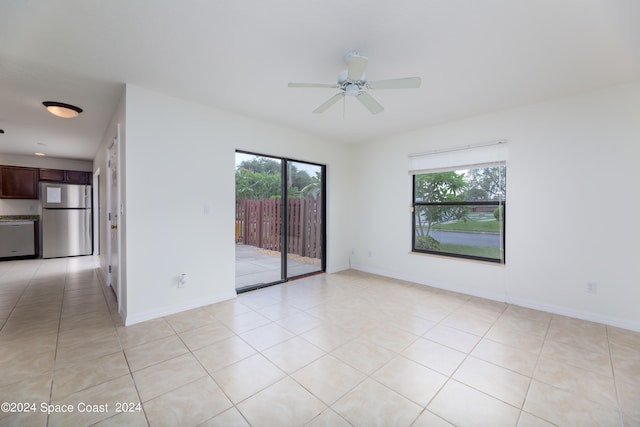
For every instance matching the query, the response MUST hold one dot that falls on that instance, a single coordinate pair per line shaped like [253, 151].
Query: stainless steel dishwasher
[17, 239]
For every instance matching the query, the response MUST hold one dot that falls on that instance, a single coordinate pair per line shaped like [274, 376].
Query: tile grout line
[468, 354]
[535, 369]
[24, 290]
[203, 367]
[55, 354]
[366, 376]
[104, 288]
[615, 381]
[324, 321]
[286, 374]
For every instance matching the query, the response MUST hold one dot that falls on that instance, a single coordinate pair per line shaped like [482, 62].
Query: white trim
[109, 221]
[435, 284]
[177, 308]
[123, 315]
[104, 277]
[96, 211]
[523, 302]
[337, 269]
[102, 274]
[577, 314]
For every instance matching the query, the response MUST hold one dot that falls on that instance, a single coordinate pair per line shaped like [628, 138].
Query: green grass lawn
[491, 226]
[479, 251]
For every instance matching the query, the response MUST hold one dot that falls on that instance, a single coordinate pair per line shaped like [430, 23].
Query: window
[460, 212]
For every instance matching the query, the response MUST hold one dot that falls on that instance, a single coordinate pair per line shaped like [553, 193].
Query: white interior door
[113, 218]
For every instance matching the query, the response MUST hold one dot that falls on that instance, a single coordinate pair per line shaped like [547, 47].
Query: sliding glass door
[258, 220]
[279, 225]
[305, 224]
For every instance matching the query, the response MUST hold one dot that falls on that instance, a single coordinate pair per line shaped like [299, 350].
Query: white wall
[180, 160]
[45, 162]
[571, 205]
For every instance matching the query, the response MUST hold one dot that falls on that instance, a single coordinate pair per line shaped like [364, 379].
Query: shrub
[427, 243]
[498, 213]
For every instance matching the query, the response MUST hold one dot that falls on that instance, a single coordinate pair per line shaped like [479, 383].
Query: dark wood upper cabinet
[70, 177]
[51, 175]
[78, 177]
[18, 182]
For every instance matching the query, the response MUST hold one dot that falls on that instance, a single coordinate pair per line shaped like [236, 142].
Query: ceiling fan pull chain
[344, 106]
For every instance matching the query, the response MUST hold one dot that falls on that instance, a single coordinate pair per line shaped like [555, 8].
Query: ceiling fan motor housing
[352, 89]
[344, 82]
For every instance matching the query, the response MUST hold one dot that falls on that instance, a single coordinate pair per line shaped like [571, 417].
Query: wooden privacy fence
[259, 223]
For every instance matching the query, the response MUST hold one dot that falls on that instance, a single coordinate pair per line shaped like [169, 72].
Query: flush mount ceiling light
[60, 109]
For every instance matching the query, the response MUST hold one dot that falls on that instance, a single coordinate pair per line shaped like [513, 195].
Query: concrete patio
[257, 266]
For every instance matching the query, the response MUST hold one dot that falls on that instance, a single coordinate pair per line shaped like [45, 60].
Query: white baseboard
[102, 275]
[577, 314]
[436, 284]
[549, 308]
[338, 268]
[173, 309]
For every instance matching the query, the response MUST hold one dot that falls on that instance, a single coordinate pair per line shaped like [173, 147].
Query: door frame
[283, 214]
[109, 222]
[96, 212]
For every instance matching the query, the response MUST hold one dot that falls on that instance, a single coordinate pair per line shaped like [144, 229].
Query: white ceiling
[474, 56]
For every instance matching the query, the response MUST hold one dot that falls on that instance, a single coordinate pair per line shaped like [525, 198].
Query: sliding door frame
[284, 243]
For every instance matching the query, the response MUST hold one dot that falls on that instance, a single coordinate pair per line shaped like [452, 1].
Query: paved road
[491, 240]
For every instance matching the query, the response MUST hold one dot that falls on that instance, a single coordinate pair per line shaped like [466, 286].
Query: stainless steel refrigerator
[66, 220]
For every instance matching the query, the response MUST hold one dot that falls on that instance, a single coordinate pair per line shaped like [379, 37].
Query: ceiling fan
[353, 82]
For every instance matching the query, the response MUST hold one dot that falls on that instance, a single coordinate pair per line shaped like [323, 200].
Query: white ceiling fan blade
[371, 104]
[329, 85]
[335, 98]
[357, 64]
[405, 83]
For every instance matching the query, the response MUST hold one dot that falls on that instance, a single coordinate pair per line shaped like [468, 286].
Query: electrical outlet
[592, 288]
[182, 280]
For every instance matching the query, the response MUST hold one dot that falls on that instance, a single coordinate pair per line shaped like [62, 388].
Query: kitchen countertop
[19, 217]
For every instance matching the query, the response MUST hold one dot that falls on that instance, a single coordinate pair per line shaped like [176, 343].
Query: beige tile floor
[328, 350]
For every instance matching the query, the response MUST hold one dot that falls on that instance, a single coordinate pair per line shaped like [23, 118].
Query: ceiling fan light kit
[353, 82]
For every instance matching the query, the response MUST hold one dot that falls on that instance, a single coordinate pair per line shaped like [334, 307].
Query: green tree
[255, 185]
[314, 187]
[438, 187]
[261, 165]
[486, 183]
[258, 178]
[298, 181]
